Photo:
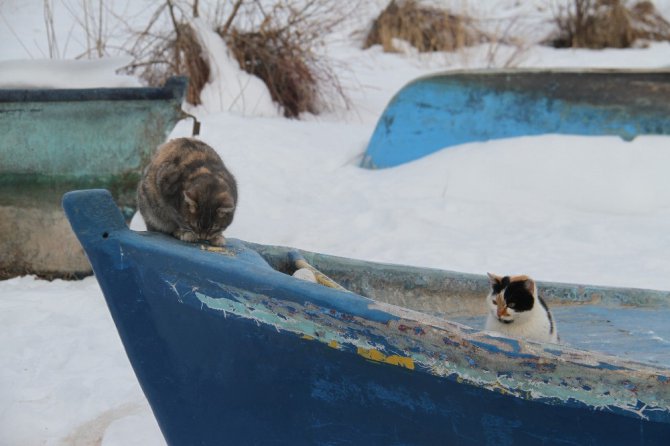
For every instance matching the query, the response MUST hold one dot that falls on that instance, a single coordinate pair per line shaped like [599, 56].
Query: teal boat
[54, 140]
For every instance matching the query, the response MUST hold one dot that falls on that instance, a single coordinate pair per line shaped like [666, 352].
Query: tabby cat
[187, 192]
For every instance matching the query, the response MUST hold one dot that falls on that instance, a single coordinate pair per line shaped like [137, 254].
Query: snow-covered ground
[559, 208]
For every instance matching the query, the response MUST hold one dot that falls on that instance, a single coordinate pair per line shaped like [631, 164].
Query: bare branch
[172, 16]
[231, 17]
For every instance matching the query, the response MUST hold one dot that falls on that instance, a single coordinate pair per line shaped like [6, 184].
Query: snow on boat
[231, 349]
[55, 140]
[447, 109]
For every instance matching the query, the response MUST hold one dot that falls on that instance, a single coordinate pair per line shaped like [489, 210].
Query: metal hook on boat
[196, 124]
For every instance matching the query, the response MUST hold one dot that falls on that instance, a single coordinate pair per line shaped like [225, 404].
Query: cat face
[511, 297]
[207, 210]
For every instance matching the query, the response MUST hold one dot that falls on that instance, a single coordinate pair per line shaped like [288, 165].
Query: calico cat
[515, 309]
[187, 192]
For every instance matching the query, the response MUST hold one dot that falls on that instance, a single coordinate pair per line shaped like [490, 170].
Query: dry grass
[280, 49]
[274, 41]
[598, 24]
[648, 23]
[179, 55]
[176, 52]
[282, 64]
[425, 28]
[188, 60]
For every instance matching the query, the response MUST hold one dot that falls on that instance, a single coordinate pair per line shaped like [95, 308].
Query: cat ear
[529, 284]
[493, 279]
[192, 205]
[224, 210]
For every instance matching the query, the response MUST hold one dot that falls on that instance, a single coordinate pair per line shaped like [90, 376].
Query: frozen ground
[559, 208]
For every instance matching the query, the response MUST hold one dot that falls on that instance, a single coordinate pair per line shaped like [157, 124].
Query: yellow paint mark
[307, 337]
[402, 361]
[376, 355]
[220, 249]
[333, 344]
[372, 354]
[497, 387]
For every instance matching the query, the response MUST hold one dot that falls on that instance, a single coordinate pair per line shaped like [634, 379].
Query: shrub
[173, 51]
[275, 44]
[278, 46]
[601, 24]
[282, 63]
[426, 28]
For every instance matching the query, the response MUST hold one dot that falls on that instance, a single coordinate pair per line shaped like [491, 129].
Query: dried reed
[598, 24]
[426, 28]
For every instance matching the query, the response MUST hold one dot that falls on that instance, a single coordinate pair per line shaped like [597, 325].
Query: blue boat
[443, 110]
[229, 348]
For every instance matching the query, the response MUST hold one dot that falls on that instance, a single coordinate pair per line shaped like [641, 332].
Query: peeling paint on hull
[229, 350]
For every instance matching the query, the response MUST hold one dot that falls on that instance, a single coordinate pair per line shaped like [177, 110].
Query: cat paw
[219, 240]
[186, 236]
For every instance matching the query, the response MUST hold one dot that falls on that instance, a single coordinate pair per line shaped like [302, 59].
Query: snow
[533, 205]
[58, 365]
[559, 208]
[42, 73]
[231, 88]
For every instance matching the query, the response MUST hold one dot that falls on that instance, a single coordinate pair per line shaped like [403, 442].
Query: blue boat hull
[230, 351]
[212, 383]
[447, 109]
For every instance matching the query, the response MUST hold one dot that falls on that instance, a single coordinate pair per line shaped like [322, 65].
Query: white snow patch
[65, 376]
[47, 73]
[230, 88]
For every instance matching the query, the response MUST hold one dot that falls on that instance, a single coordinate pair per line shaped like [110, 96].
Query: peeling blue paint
[515, 352]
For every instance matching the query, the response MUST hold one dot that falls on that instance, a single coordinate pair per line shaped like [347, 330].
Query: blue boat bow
[229, 349]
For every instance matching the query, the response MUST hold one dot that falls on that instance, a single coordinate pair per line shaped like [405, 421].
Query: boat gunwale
[173, 89]
[557, 293]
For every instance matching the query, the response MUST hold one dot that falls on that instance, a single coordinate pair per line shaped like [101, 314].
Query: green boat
[56, 140]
